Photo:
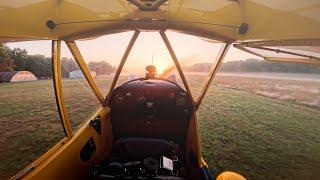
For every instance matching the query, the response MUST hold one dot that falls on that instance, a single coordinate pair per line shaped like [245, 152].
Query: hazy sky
[149, 45]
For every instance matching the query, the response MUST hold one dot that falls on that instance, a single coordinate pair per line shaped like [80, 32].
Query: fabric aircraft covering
[286, 25]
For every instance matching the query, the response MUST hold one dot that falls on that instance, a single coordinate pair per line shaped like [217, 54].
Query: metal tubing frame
[310, 60]
[214, 69]
[288, 42]
[287, 52]
[247, 50]
[85, 70]
[175, 60]
[292, 60]
[57, 84]
[122, 62]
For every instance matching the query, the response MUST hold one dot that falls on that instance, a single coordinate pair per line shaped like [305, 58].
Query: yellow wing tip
[228, 175]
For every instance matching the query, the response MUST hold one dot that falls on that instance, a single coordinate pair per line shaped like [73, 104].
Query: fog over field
[273, 75]
[298, 88]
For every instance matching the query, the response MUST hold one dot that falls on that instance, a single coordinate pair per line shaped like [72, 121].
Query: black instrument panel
[151, 98]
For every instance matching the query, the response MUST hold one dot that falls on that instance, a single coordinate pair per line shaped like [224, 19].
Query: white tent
[79, 74]
[17, 76]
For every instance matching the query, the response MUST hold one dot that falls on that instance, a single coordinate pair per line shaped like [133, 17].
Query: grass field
[259, 136]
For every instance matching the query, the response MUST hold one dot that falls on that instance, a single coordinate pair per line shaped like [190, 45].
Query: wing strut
[214, 69]
[175, 60]
[122, 62]
[84, 68]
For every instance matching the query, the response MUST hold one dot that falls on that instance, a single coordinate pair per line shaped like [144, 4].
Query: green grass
[259, 137]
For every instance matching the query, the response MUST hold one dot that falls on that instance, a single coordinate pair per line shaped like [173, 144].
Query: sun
[160, 66]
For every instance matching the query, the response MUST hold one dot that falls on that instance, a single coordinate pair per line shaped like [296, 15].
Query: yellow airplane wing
[224, 20]
[273, 19]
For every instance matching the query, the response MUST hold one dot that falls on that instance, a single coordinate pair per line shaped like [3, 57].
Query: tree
[19, 57]
[38, 65]
[6, 63]
[68, 65]
[101, 67]
[255, 65]
[19, 60]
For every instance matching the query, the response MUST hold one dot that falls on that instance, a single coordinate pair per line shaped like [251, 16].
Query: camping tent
[79, 74]
[17, 76]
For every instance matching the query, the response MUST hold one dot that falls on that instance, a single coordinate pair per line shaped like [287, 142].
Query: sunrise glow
[160, 66]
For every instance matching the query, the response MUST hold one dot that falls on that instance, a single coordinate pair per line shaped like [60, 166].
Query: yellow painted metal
[213, 72]
[175, 60]
[39, 160]
[204, 163]
[56, 65]
[123, 61]
[228, 175]
[285, 19]
[84, 68]
[247, 50]
[64, 161]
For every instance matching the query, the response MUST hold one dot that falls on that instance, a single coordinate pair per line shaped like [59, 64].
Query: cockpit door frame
[57, 84]
[57, 81]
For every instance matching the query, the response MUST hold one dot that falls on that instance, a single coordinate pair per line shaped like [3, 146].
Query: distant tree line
[256, 65]
[101, 67]
[18, 60]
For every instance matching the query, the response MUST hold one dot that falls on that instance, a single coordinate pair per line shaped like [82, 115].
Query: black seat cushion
[137, 148]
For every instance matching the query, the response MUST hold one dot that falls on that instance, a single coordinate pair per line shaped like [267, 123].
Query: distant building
[79, 74]
[17, 76]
